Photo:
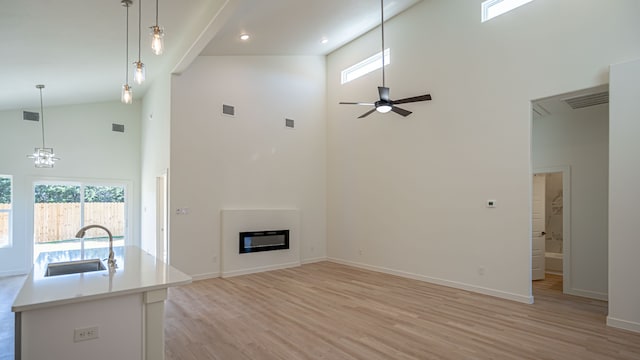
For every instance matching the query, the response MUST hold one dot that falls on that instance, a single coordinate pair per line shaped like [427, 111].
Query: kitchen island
[95, 315]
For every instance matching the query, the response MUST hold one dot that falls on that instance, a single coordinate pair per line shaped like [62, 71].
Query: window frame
[488, 4]
[370, 64]
[9, 211]
[82, 182]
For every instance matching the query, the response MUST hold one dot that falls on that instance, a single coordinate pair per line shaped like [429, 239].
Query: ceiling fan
[385, 104]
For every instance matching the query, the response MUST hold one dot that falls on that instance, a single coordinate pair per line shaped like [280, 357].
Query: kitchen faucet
[112, 261]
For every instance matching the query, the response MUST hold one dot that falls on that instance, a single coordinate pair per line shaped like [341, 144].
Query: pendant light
[127, 92]
[139, 73]
[43, 157]
[157, 36]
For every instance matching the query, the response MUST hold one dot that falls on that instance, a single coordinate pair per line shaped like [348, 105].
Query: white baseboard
[205, 276]
[449, 283]
[226, 274]
[623, 324]
[314, 260]
[588, 294]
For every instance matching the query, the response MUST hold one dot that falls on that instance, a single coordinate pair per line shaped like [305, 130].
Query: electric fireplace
[266, 240]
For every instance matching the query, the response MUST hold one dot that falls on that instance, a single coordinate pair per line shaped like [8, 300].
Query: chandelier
[43, 157]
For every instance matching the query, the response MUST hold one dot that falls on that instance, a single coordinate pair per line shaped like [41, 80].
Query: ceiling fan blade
[400, 111]
[356, 103]
[367, 113]
[384, 93]
[413, 99]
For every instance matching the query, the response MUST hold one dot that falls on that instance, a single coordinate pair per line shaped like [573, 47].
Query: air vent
[117, 127]
[289, 123]
[584, 101]
[228, 110]
[31, 116]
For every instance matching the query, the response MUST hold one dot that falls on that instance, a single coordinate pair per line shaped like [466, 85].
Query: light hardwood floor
[330, 311]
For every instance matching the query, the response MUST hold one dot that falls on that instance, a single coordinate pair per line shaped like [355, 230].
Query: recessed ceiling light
[324, 41]
[244, 37]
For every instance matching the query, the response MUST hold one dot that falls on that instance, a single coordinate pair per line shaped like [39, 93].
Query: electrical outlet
[481, 270]
[360, 252]
[313, 249]
[89, 333]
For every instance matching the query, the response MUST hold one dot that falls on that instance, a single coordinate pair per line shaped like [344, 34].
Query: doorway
[551, 224]
[572, 130]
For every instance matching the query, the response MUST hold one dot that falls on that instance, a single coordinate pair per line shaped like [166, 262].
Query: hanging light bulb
[43, 157]
[139, 73]
[157, 36]
[127, 92]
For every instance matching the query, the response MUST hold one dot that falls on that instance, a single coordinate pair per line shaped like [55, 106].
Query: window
[366, 66]
[493, 8]
[5, 210]
[61, 208]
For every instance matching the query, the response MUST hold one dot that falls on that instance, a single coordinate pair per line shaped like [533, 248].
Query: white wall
[624, 197]
[81, 136]
[155, 139]
[411, 192]
[250, 161]
[580, 139]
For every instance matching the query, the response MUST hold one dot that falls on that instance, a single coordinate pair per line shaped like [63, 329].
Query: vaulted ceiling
[77, 47]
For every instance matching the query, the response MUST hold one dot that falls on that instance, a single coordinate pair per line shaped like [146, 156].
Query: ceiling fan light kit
[385, 104]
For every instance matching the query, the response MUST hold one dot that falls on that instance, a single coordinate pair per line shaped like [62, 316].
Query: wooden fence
[61, 221]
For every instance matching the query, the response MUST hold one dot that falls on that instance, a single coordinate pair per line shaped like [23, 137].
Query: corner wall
[155, 141]
[408, 195]
[624, 197]
[249, 161]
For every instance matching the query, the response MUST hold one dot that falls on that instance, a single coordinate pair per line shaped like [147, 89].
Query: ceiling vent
[31, 116]
[584, 101]
[289, 123]
[228, 110]
[117, 127]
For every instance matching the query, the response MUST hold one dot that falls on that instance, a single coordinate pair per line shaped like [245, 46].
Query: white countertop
[138, 271]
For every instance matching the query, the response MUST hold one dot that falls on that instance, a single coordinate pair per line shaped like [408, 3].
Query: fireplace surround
[236, 221]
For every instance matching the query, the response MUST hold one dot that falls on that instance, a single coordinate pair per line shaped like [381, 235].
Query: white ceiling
[77, 47]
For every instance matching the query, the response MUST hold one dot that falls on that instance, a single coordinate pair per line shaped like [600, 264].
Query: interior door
[538, 228]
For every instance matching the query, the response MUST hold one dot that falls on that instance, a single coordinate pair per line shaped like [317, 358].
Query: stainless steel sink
[74, 267]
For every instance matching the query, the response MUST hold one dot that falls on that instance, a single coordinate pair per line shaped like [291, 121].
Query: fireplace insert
[267, 240]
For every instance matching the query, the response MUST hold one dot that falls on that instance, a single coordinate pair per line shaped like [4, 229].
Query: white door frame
[566, 222]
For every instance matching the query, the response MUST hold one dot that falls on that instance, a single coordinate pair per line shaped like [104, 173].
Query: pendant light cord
[126, 62]
[42, 115]
[156, 13]
[382, 28]
[139, 27]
